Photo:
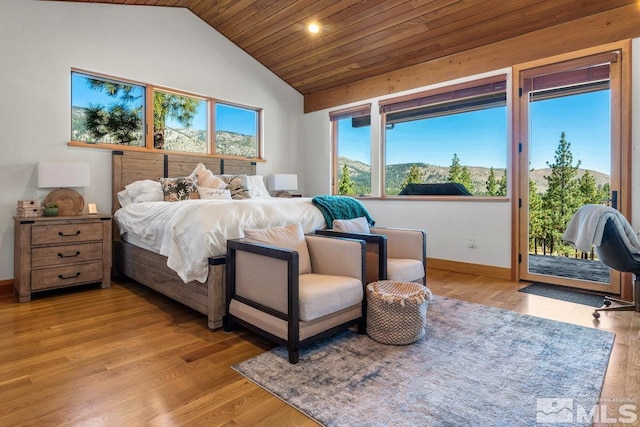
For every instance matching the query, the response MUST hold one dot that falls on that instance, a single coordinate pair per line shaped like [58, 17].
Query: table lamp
[63, 176]
[281, 183]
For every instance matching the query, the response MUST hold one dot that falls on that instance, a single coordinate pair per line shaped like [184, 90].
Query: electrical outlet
[471, 242]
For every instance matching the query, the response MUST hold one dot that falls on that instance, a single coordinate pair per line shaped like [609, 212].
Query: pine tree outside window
[180, 122]
[107, 111]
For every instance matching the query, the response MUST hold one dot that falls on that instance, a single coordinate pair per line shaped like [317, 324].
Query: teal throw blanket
[340, 207]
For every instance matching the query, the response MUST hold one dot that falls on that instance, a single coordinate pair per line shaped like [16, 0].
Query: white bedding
[189, 232]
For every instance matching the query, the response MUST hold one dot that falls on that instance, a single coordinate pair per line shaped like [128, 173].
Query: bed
[150, 268]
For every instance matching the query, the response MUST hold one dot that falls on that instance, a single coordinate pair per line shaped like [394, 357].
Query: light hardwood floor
[129, 356]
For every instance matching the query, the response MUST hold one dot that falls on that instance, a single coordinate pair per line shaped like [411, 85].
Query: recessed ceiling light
[314, 28]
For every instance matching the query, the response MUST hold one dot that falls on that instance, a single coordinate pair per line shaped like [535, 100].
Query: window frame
[451, 92]
[148, 119]
[360, 110]
[151, 89]
[214, 133]
[107, 78]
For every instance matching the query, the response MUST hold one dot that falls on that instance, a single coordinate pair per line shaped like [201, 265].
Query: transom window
[106, 111]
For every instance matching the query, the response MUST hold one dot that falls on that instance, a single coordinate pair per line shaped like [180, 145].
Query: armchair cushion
[355, 225]
[405, 270]
[403, 242]
[289, 237]
[323, 294]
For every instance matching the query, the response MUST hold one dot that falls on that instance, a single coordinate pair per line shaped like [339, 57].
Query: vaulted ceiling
[359, 39]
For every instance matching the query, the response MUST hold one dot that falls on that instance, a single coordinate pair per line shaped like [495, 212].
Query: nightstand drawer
[67, 275]
[65, 233]
[70, 254]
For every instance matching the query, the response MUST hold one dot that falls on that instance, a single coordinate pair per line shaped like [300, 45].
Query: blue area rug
[476, 366]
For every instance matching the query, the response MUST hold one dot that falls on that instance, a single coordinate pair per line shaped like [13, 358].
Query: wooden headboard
[131, 166]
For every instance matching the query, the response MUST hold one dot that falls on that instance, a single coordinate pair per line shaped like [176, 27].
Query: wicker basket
[29, 204]
[29, 212]
[397, 311]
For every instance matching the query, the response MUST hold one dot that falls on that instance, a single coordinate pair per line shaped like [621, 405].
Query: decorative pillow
[288, 237]
[176, 189]
[206, 178]
[140, 188]
[152, 194]
[141, 191]
[257, 190]
[356, 225]
[238, 186]
[214, 193]
[124, 198]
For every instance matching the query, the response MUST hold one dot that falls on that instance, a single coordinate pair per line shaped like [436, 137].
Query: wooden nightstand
[57, 252]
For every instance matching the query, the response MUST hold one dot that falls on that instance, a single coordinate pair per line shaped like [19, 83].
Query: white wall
[40, 41]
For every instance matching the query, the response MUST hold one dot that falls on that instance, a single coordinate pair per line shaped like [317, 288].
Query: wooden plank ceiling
[365, 38]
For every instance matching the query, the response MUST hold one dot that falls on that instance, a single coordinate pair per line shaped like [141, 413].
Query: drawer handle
[69, 256]
[60, 276]
[60, 233]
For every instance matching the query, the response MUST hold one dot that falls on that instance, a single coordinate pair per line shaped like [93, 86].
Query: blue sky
[472, 135]
[585, 120]
[228, 117]
[240, 120]
[478, 142]
[435, 140]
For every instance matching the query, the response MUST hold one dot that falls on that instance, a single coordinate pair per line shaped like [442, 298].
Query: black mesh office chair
[613, 253]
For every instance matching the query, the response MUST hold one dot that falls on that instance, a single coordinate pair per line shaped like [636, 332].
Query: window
[237, 130]
[108, 111]
[180, 122]
[351, 130]
[449, 141]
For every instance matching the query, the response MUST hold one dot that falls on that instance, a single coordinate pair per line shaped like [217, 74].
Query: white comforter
[191, 231]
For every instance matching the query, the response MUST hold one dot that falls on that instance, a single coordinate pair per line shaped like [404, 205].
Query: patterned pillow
[238, 186]
[176, 189]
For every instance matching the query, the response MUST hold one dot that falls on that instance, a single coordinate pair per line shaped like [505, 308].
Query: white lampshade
[61, 175]
[280, 182]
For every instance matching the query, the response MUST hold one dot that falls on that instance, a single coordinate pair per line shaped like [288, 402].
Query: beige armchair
[267, 293]
[391, 253]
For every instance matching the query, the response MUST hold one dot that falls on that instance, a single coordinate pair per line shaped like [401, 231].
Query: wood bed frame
[149, 268]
